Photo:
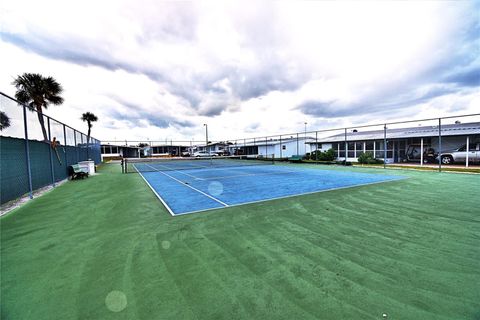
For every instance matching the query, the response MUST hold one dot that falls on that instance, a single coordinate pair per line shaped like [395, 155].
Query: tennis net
[168, 164]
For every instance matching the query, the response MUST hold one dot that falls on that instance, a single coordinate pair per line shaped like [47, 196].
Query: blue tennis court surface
[193, 190]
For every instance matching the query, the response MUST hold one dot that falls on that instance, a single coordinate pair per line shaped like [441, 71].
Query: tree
[89, 117]
[38, 92]
[4, 121]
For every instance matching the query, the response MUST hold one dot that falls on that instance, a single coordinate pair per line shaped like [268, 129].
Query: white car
[460, 154]
[201, 154]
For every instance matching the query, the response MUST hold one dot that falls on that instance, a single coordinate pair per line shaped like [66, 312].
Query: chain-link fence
[29, 159]
[451, 142]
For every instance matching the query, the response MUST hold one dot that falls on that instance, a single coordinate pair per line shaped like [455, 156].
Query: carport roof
[461, 129]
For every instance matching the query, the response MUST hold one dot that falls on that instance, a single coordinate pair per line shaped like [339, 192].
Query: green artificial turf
[105, 248]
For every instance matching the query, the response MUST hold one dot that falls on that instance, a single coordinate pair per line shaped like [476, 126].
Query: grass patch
[423, 168]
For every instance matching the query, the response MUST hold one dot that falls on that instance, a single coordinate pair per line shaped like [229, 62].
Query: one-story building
[165, 150]
[213, 148]
[406, 144]
[111, 152]
[283, 147]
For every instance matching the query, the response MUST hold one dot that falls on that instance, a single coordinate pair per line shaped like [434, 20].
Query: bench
[295, 158]
[77, 172]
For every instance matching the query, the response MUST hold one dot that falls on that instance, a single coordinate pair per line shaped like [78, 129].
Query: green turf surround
[408, 248]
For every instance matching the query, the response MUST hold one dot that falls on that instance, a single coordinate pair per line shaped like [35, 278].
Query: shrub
[368, 158]
[319, 155]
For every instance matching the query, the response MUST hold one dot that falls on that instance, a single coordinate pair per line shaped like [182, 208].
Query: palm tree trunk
[88, 140]
[42, 124]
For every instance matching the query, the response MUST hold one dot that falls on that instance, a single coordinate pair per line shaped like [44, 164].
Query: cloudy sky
[160, 70]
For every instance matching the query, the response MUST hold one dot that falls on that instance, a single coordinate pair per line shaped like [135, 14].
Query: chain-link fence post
[65, 145]
[440, 145]
[27, 153]
[297, 145]
[75, 143]
[316, 146]
[266, 147]
[384, 146]
[50, 151]
[281, 147]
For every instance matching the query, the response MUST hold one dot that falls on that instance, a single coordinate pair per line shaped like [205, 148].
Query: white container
[89, 166]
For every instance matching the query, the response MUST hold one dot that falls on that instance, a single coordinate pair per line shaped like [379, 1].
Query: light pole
[305, 142]
[206, 136]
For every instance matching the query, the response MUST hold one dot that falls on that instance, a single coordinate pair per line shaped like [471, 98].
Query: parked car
[222, 153]
[200, 154]
[460, 154]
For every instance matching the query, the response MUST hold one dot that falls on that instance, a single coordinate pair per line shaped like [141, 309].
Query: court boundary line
[170, 169]
[291, 196]
[193, 188]
[156, 193]
[245, 175]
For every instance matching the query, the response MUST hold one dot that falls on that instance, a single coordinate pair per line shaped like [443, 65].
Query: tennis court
[193, 185]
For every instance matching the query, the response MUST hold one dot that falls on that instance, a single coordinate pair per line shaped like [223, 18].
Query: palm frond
[4, 120]
[34, 89]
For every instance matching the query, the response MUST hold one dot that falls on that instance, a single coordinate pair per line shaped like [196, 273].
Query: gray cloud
[139, 116]
[468, 77]
[270, 72]
[388, 101]
[457, 72]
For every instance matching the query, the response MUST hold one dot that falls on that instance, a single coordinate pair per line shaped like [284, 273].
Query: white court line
[187, 185]
[190, 175]
[247, 174]
[155, 192]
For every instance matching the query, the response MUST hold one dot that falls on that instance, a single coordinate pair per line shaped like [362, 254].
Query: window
[284, 147]
[351, 151]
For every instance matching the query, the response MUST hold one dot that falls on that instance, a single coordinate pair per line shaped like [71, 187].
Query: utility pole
[305, 142]
[206, 136]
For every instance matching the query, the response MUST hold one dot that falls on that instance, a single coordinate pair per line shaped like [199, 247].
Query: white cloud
[160, 70]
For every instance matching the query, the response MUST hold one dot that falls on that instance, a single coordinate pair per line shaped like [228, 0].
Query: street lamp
[305, 142]
[206, 135]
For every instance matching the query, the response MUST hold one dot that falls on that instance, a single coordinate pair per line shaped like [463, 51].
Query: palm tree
[89, 118]
[4, 121]
[38, 92]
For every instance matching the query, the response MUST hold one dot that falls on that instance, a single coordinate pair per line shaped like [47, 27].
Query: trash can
[88, 165]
